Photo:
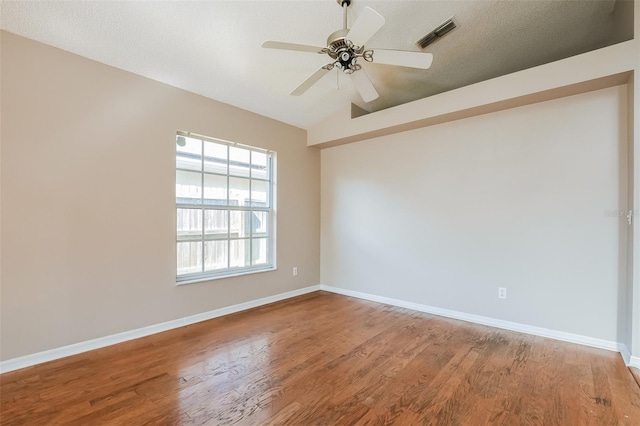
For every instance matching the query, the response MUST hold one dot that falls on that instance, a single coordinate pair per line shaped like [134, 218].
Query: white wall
[88, 207]
[444, 215]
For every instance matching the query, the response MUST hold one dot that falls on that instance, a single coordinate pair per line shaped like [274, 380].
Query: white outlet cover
[502, 293]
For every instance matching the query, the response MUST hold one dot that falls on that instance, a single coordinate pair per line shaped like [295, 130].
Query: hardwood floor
[636, 374]
[328, 359]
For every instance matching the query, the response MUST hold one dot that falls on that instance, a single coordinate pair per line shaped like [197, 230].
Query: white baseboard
[624, 351]
[478, 319]
[89, 345]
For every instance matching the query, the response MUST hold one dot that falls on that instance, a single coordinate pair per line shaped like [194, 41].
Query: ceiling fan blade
[310, 81]
[367, 24]
[403, 58]
[292, 46]
[364, 86]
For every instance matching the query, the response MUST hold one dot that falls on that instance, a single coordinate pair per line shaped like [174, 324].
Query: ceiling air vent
[436, 34]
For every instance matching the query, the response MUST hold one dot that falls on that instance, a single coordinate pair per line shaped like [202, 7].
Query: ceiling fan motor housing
[337, 42]
[343, 51]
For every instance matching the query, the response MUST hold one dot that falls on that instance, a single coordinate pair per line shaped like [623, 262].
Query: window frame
[203, 207]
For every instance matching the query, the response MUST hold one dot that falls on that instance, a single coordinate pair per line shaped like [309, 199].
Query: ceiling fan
[346, 46]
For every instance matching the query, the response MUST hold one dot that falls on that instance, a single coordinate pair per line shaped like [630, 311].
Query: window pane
[188, 187]
[188, 156]
[239, 253]
[215, 255]
[238, 161]
[260, 225]
[216, 223]
[259, 251]
[259, 193]
[189, 257]
[189, 223]
[215, 189]
[238, 191]
[215, 158]
[259, 165]
[240, 224]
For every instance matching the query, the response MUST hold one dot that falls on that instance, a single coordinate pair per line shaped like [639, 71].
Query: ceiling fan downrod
[344, 4]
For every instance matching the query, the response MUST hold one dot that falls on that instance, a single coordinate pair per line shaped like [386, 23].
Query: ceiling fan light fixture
[436, 34]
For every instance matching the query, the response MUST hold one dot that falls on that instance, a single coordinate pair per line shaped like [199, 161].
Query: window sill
[220, 277]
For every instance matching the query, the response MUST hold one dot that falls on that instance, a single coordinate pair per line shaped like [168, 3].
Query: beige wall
[444, 215]
[87, 175]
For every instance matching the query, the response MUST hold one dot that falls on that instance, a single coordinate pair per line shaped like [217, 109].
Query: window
[224, 208]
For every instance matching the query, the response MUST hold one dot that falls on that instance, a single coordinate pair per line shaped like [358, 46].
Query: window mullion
[202, 200]
[228, 213]
[250, 210]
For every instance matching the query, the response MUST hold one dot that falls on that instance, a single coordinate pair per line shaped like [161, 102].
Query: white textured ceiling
[213, 48]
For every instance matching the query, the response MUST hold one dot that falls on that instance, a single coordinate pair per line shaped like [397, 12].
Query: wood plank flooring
[636, 374]
[330, 360]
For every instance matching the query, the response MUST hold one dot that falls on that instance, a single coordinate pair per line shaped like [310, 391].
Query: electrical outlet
[295, 271]
[502, 293]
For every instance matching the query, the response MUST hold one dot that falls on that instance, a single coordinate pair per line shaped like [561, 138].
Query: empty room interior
[320, 212]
